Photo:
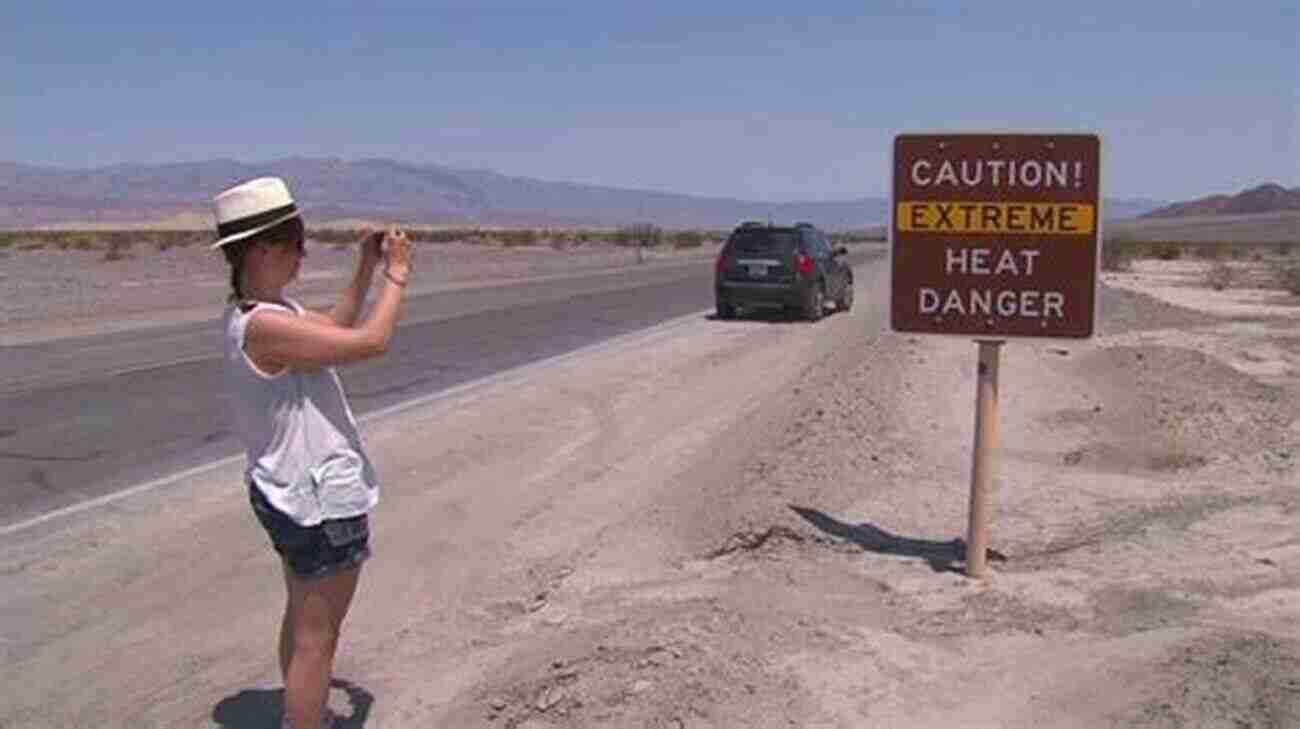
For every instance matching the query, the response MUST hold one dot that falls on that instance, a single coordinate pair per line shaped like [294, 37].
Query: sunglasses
[298, 246]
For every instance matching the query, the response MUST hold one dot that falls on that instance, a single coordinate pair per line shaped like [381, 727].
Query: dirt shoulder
[752, 523]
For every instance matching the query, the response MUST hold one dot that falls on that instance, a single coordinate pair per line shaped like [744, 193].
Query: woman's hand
[397, 254]
[371, 246]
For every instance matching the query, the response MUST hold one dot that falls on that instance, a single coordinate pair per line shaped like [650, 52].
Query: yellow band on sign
[1013, 218]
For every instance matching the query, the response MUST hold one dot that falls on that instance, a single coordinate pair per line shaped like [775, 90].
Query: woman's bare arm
[276, 339]
[348, 308]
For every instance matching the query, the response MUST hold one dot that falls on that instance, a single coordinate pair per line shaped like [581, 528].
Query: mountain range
[388, 190]
[1266, 198]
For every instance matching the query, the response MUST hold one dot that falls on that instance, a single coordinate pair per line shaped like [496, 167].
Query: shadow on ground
[949, 556]
[264, 708]
[771, 315]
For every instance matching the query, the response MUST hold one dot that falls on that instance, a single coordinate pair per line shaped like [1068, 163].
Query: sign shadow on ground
[947, 556]
[264, 708]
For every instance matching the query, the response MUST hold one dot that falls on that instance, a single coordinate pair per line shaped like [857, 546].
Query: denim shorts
[332, 546]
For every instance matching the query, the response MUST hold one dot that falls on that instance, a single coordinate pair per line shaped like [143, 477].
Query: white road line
[173, 363]
[117, 495]
[507, 375]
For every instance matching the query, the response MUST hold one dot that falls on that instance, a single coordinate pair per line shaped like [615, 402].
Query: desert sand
[740, 524]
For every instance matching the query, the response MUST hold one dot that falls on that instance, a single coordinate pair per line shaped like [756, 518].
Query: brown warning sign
[995, 235]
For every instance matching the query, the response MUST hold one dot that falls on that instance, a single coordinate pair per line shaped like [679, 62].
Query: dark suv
[791, 267]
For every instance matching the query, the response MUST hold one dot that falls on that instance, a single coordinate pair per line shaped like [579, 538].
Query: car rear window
[763, 242]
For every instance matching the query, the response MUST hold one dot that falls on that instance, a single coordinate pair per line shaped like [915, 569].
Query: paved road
[85, 417]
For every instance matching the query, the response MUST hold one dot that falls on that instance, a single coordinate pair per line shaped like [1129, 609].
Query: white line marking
[146, 368]
[511, 374]
[117, 495]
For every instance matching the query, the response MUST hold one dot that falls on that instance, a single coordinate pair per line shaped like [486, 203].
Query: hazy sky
[750, 99]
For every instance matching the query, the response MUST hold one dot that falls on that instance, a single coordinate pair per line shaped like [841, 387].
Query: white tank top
[304, 451]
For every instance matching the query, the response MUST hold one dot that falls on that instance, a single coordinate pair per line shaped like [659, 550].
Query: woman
[309, 480]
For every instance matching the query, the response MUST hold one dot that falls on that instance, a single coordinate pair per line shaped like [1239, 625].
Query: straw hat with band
[252, 207]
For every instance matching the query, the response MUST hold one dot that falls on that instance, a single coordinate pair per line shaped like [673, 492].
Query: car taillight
[803, 263]
[722, 264]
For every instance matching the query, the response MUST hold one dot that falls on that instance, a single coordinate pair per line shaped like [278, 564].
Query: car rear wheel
[814, 303]
[845, 302]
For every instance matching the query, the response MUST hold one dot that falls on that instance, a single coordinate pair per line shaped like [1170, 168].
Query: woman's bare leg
[286, 627]
[308, 639]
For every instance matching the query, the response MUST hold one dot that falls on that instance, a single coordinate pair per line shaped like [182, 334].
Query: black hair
[289, 232]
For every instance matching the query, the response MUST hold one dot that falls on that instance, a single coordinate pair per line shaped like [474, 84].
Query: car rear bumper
[738, 293]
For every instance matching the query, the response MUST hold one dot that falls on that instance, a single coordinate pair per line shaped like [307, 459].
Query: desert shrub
[1219, 276]
[1219, 251]
[1117, 255]
[65, 239]
[683, 239]
[167, 239]
[645, 235]
[118, 248]
[1288, 277]
[850, 237]
[444, 235]
[1168, 251]
[521, 237]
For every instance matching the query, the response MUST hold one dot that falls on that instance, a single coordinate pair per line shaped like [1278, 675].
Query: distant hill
[1267, 198]
[332, 189]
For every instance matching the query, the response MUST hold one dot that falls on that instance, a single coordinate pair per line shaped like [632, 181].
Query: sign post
[994, 236]
[984, 461]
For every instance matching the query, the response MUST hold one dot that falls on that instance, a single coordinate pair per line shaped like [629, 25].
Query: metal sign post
[994, 236]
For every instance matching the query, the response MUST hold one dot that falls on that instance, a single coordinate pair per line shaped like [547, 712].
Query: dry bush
[114, 242]
[1220, 276]
[857, 236]
[442, 235]
[1288, 277]
[643, 235]
[118, 248]
[1220, 251]
[1117, 255]
[684, 239]
[165, 240]
[1167, 251]
[516, 238]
